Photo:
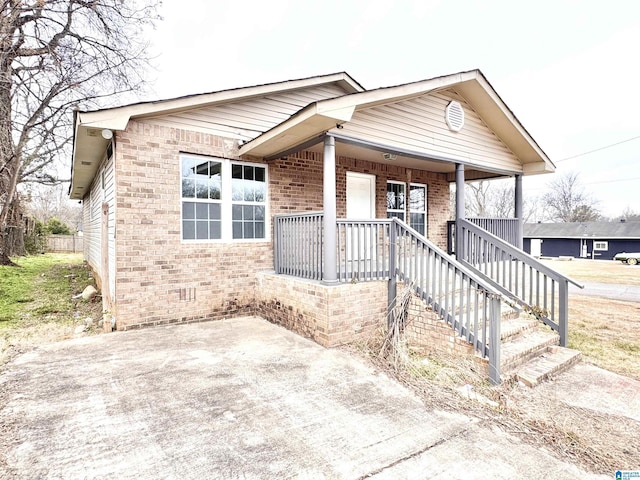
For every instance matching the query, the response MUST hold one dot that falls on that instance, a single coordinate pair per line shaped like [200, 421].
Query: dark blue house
[598, 240]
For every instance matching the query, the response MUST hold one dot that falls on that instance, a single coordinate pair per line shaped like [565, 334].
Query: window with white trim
[395, 199]
[418, 207]
[602, 246]
[249, 187]
[222, 199]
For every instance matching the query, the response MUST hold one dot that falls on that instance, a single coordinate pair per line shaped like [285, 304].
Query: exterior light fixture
[107, 134]
[389, 156]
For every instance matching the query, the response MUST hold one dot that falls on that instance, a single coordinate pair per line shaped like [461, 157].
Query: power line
[598, 149]
[611, 181]
[597, 182]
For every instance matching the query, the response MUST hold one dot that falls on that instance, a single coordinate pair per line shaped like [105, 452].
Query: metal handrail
[460, 297]
[507, 266]
[388, 249]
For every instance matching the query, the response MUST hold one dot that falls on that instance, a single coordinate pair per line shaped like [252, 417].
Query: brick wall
[329, 315]
[437, 192]
[160, 280]
[296, 185]
[426, 332]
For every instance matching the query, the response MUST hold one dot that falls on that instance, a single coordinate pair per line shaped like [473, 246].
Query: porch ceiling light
[389, 156]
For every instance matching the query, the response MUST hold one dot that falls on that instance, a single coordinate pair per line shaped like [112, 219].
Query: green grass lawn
[36, 300]
[39, 286]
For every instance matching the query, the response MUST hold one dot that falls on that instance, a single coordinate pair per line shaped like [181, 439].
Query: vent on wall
[454, 116]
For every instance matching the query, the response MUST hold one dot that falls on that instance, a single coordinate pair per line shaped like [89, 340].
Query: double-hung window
[395, 200]
[222, 199]
[249, 191]
[418, 208]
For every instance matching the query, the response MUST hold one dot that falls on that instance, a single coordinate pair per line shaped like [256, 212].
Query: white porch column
[330, 273]
[459, 207]
[518, 210]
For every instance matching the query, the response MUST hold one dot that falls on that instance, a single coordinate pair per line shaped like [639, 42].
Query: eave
[322, 116]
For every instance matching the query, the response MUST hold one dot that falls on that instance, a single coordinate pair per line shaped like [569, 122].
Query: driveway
[235, 399]
[627, 293]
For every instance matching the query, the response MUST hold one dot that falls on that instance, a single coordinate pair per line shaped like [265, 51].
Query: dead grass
[607, 332]
[597, 442]
[597, 271]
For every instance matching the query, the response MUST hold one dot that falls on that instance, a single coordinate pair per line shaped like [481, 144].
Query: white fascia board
[118, 117]
[280, 129]
[371, 98]
[538, 168]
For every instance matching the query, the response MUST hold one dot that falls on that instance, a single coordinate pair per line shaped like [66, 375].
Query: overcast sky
[569, 70]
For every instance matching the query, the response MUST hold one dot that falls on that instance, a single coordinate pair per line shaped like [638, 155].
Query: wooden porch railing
[539, 289]
[388, 249]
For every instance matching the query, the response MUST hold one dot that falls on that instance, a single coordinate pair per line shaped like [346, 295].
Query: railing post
[276, 244]
[392, 291]
[494, 340]
[563, 312]
[518, 211]
[459, 208]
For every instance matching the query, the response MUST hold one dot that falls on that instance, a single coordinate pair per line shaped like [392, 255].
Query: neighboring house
[191, 203]
[596, 240]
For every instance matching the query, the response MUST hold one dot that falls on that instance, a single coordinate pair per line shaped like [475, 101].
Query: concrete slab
[593, 388]
[233, 399]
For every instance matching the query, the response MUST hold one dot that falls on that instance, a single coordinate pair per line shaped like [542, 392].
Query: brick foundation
[426, 333]
[329, 315]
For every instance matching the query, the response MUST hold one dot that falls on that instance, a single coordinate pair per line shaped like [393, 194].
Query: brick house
[285, 199]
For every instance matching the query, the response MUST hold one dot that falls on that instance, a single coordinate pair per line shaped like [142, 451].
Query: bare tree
[493, 199]
[477, 198]
[565, 200]
[629, 215]
[54, 55]
[47, 202]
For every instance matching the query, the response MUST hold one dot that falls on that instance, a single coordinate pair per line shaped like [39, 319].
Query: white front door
[361, 196]
[361, 205]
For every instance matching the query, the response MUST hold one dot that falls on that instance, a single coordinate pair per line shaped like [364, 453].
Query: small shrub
[36, 241]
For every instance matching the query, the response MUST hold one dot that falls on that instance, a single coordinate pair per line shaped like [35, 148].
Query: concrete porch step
[520, 349]
[552, 362]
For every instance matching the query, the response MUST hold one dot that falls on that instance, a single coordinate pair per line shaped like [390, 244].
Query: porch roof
[309, 124]
[89, 145]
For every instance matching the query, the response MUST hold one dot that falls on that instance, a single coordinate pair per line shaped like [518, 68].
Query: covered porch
[388, 157]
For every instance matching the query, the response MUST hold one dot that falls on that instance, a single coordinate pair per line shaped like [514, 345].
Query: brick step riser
[510, 334]
[556, 369]
[523, 357]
